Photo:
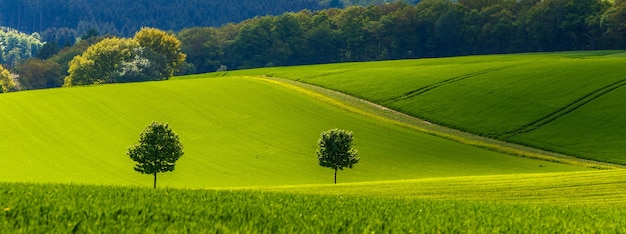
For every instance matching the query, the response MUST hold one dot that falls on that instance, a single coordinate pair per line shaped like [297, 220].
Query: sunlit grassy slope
[568, 102]
[601, 188]
[236, 132]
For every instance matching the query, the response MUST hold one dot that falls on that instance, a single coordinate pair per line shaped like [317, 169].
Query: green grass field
[566, 102]
[523, 203]
[250, 165]
[236, 132]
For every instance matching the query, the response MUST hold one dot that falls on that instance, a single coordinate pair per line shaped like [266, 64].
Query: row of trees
[124, 18]
[432, 28]
[159, 148]
[152, 54]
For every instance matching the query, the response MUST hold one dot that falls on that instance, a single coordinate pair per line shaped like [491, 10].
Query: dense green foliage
[554, 101]
[104, 62]
[151, 55]
[124, 18]
[432, 28]
[6, 80]
[16, 46]
[545, 203]
[237, 132]
[39, 74]
[157, 151]
[336, 151]
[164, 45]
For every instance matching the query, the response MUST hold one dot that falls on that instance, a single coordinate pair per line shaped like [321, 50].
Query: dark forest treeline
[432, 28]
[54, 19]
[61, 20]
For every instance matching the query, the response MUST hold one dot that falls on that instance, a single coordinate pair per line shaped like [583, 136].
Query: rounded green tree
[157, 151]
[336, 151]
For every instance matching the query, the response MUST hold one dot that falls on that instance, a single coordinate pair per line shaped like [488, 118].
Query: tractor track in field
[452, 80]
[381, 112]
[576, 104]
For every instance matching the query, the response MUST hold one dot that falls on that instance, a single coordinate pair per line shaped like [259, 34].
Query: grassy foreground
[538, 203]
[565, 102]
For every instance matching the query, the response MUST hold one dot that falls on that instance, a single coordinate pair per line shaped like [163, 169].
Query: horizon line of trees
[431, 28]
[124, 18]
[59, 20]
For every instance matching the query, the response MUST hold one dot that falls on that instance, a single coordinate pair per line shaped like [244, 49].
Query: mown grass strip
[380, 113]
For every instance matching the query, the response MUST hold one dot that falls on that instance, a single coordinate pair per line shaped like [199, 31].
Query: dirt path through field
[369, 109]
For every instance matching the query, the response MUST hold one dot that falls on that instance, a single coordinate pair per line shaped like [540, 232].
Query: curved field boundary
[563, 110]
[604, 188]
[452, 80]
[381, 113]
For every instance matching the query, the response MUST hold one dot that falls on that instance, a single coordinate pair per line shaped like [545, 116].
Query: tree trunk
[335, 175]
[155, 180]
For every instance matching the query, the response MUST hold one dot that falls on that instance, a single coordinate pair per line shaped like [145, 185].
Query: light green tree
[336, 151]
[6, 81]
[165, 45]
[101, 62]
[151, 55]
[157, 151]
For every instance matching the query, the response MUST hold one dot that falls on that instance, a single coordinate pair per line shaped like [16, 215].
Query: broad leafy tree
[162, 44]
[39, 74]
[16, 46]
[336, 150]
[6, 81]
[102, 62]
[152, 55]
[157, 151]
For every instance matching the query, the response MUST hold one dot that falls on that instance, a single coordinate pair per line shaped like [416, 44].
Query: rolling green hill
[236, 132]
[566, 102]
[253, 139]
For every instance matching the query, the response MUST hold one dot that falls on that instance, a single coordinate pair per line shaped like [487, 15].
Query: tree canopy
[162, 44]
[336, 150]
[399, 30]
[431, 28]
[151, 55]
[39, 74]
[6, 80]
[16, 46]
[157, 151]
[58, 18]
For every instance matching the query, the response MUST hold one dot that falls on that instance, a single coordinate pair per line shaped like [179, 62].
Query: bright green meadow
[236, 132]
[250, 139]
[567, 102]
[523, 203]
